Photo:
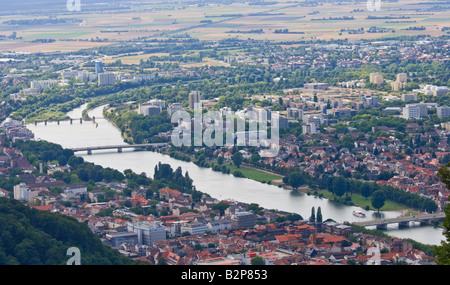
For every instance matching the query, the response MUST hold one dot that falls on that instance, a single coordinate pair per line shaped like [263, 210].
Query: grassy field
[362, 202]
[254, 174]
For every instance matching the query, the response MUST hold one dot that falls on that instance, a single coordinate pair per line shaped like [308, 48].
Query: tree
[319, 215]
[221, 207]
[366, 190]
[295, 180]
[237, 159]
[378, 199]
[442, 251]
[339, 186]
[313, 215]
[257, 260]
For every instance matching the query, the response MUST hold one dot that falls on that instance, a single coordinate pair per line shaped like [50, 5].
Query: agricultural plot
[215, 21]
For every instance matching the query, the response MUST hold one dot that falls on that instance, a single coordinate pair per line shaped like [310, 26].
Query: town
[354, 115]
[183, 232]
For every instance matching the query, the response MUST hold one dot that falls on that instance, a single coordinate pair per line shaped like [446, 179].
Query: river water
[216, 184]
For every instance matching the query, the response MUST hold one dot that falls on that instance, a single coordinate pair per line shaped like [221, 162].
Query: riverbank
[268, 177]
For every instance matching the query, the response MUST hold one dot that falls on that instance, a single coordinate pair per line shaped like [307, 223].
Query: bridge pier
[93, 119]
[382, 227]
[71, 121]
[403, 224]
[35, 122]
[81, 120]
[45, 122]
[89, 152]
[119, 149]
[58, 122]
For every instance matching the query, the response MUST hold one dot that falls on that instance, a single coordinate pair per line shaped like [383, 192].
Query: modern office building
[119, 238]
[148, 109]
[99, 67]
[152, 107]
[147, 232]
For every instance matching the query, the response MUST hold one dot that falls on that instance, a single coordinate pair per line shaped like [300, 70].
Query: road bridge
[119, 148]
[71, 120]
[403, 221]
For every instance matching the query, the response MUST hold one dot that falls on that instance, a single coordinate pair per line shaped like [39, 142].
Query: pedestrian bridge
[119, 148]
[403, 221]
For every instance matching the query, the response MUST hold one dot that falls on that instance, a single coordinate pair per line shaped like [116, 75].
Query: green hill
[33, 237]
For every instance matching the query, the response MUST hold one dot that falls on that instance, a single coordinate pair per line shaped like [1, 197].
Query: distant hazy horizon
[28, 5]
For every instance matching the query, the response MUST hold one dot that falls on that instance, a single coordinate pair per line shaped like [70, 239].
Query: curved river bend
[216, 184]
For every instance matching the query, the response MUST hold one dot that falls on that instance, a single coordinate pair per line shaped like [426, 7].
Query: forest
[34, 237]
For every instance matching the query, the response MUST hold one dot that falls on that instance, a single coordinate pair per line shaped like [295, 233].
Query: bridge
[120, 147]
[381, 224]
[71, 120]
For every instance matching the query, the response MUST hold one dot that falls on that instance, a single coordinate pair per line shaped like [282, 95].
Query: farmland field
[215, 21]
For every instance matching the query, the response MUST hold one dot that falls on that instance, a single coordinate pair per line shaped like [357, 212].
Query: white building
[443, 112]
[148, 109]
[21, 192]
[310, 128]
[148, 232]
[411, 111]
[174, 107]
[294, 113]
[194, 228]
[397, 86]
[432, 90]
[74, 191]
[157, 102]
[376, 78]
[43, 84]
[409, 97]
[216, 226]
[106, 78]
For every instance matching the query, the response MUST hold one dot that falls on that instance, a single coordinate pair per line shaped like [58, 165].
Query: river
[216, 184]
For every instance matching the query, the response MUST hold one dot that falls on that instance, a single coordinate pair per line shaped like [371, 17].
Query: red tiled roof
[44, 207]
[286, 238]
